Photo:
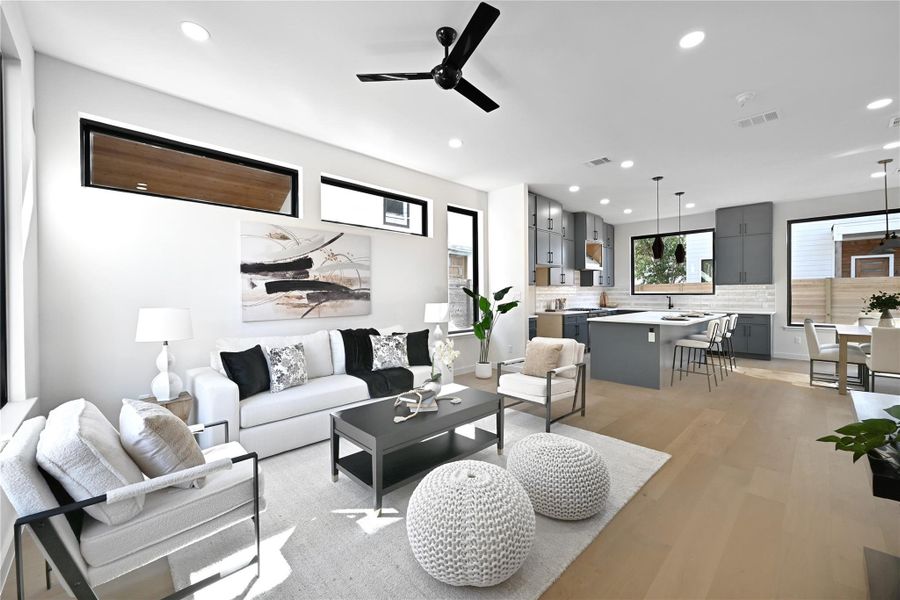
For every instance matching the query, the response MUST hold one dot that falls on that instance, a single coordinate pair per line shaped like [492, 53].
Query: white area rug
[321, 540]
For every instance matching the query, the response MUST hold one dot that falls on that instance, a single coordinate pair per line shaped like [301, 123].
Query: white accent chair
[870, 319]
[885, 357]
[562, 383]
[830, 353]
[172, 517]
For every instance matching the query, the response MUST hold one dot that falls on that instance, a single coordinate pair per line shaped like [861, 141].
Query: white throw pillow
[159, 442]
[81, 450]
[287, 367]
[389, 351]
[317, 349]
[338, 357]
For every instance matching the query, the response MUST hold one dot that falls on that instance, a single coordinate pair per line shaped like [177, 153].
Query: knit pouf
[565, 479]
[470, 523]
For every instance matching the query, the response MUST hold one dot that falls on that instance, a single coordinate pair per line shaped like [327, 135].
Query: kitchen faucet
[671, 306]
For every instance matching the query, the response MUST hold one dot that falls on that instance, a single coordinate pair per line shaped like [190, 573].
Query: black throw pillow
[248, 369]
[417, 348]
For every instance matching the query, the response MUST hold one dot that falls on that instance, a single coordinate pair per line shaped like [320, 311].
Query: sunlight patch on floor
[368, 520]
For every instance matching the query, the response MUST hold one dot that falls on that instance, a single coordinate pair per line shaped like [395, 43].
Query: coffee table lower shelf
[413, 462]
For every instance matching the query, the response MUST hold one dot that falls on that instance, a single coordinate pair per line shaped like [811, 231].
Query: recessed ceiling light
[194, 31]
[877, 174]
[876, 104]
[455, 143]
[604, 200]
[892, 145]
[626, 164]
[627, 211]
[694, 38]
[574, 188]
[690, 205]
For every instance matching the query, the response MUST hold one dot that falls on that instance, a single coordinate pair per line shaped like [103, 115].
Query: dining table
[847, 334]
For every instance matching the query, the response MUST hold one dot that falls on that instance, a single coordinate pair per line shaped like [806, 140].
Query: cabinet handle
[551, 256]
[564, 231]
[562, 277]
[550, 223]
[534, 219]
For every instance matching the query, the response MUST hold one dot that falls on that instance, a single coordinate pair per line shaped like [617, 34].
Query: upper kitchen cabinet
[566, 274]
[568, 226]
[556, 219]
[548, 214]
[588, 240]
[532, 210]
[532, 257]
[548, 247]
[743, 244]
[609, 255]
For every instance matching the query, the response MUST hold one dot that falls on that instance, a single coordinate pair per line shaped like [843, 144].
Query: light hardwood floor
[749, 506]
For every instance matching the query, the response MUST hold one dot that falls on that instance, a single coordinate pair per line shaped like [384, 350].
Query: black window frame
[4, 348]
[790, 223]
[89, 126]
[476, 264]
[711, 230]
[357, 187]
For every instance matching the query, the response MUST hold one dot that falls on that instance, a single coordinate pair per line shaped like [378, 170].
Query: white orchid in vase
[443, 354]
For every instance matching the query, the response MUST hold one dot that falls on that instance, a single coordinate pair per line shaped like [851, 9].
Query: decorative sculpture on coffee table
[470, 523]
[564, 478]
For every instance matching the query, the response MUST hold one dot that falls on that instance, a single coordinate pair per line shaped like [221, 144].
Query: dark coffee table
[395, 454]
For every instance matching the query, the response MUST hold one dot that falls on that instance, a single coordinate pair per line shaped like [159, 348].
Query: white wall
[508, 266]
[104, 254]
[22, 243]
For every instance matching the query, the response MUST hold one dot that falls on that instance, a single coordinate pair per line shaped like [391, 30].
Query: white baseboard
[790, 356]
[463, 370]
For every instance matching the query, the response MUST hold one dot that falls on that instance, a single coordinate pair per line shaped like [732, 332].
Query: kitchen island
[636, 349]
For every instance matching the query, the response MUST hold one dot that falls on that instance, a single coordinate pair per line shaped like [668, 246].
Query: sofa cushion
[81, 450]
[317, 346]
[317, 394]
[170, 511]
[338, 359]
[417, 350]
[287, 367]
[159, 442]
[249, 369]
[535, 387]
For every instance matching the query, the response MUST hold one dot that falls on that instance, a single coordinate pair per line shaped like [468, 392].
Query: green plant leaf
[894, 411]
[852, 429]
[478, 330]
[499, 294]
[484, 304]
[829, 438]
[469, 293]
[880, 426]
[858, 454]
[507, 306]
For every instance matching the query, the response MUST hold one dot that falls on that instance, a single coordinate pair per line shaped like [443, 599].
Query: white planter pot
[483, 370]
[886, 320]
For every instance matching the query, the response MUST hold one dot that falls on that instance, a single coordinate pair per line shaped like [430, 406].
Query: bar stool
[703, 347]
[718, 343]
[729, 339]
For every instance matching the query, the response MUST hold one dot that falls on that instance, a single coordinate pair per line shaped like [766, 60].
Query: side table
[180, 406]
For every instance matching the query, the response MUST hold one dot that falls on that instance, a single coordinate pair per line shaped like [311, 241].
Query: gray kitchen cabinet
[556, 253]
[555, 212]
[595, 231]
[567, 272]
[532, 257]
[532, 210]
[532, 327]
[575, 327]
[743, 244]
[542, 213]
[609, 255]
[590, 278]
[568, 225]
[548, 248]
[753, 336]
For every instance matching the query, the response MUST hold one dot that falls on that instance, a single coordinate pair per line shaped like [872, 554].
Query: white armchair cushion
[159, 442]
[171, 511]
[534, 389]
[81, 450]
[572, 353]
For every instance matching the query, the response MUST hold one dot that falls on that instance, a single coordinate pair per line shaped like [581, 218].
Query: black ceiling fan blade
[478, 26]
[367, 77]
[475, 95]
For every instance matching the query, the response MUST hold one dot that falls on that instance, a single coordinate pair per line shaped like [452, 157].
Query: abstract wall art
[293, 273]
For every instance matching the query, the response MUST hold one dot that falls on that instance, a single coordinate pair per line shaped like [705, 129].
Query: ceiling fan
[448, 74]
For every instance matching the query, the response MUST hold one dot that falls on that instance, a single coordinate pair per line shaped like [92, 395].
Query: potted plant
[489, 312]
[885, 303]
[873, 437]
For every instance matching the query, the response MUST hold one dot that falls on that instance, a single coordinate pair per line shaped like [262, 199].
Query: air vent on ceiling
[597, 162]
[894, 122]
[760, 119]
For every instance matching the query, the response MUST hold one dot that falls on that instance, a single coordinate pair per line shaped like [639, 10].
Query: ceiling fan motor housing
[446, 76]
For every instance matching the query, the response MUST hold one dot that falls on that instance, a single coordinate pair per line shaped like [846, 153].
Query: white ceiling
[574, 81]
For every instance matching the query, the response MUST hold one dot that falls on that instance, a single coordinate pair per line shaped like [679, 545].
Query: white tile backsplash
[728, 298]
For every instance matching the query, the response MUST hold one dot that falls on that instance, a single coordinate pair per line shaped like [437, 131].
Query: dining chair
[830, 353]
[885, 357]
[867, 319]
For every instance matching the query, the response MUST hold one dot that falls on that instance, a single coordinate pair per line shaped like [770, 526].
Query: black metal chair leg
[47, 574]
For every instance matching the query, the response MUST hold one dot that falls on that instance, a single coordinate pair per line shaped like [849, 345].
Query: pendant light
[890, 242]
[679, 249]
[658, 246]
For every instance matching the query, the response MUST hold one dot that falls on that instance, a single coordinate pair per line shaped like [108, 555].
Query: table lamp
[437, 313]
[164, 325]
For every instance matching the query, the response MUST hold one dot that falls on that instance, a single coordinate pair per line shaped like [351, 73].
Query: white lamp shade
[437, 312]
[163, 325]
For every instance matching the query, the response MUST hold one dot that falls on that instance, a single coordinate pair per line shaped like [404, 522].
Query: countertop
[654, 318]
[683, 309]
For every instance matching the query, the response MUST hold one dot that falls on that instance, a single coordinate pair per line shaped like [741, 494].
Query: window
[355, 204]
[835, 264]
[4, 387]
[130, 161]
[666, 275]
[462, 267]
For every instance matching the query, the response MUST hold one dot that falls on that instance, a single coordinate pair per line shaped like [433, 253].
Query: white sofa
[268, 423]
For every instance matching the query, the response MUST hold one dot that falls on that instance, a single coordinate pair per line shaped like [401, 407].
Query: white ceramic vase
[483, 370]
[432, 386]
[886, 320]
